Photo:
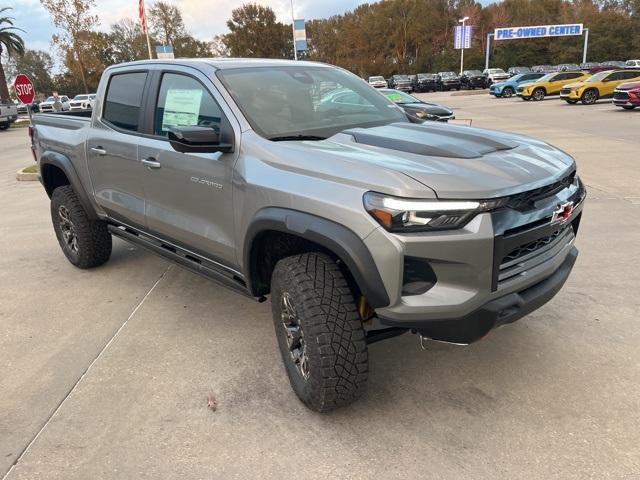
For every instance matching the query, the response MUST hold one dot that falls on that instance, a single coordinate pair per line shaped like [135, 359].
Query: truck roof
[225, 63]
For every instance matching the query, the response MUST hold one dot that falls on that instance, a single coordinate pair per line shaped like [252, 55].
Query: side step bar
[185, 259]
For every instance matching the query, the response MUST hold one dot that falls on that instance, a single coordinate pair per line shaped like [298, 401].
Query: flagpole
[142, 11]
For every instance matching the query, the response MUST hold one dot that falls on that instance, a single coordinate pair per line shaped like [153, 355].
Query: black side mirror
[197, 139]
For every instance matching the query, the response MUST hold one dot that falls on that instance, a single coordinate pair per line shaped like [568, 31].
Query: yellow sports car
[600, 85]
[550, 84]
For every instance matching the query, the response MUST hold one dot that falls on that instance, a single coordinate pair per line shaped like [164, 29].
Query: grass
[30, 169]
[19, 124]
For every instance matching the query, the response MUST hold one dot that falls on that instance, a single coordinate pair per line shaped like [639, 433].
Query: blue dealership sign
[538, 31]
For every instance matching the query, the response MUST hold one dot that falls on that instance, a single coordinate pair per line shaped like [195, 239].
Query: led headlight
[411, 215]
[425, 115]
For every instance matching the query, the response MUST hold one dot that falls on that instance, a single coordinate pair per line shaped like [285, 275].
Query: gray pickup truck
[8, 115]
[299, 181]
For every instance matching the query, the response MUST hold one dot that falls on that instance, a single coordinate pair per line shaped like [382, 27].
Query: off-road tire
[538, 94]
[332, 332]
[92, 239]
[508, 92]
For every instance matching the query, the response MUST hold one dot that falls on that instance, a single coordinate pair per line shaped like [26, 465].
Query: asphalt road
[106, 373]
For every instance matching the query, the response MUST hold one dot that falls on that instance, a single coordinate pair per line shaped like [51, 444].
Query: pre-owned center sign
[514, 33]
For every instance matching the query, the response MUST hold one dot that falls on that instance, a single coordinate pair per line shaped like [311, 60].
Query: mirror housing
[196, 139]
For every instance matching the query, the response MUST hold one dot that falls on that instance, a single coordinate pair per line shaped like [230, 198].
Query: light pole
[462, 38]
[293, 32]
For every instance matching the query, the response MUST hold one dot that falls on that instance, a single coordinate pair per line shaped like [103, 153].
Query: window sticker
[394, 97]
[181, 108]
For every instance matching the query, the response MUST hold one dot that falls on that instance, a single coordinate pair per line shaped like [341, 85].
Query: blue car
[508, 87]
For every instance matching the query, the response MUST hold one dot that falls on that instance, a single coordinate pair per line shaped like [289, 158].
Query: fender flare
[64, 163]
[338, 239]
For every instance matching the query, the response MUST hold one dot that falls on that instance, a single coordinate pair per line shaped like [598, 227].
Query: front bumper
[570, 95]
[501, 311]
[508, 259]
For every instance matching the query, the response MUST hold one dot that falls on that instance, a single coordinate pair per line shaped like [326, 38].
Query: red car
[627, 95]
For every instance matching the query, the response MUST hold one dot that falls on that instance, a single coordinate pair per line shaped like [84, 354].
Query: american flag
[143, 18]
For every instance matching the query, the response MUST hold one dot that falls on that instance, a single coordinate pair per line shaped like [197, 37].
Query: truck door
[112, 148]
[189, 197]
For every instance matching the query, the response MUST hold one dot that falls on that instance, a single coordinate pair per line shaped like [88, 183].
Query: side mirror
[196, 139]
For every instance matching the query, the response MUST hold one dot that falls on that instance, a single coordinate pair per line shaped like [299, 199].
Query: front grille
[526, 200]
[531, 254]
[565, 91]
[620, 95]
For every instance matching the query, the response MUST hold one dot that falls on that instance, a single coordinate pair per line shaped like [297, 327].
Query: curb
[26, 177]
[464, 93]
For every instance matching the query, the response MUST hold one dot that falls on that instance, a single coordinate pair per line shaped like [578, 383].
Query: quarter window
[185, 102]
[123, 100]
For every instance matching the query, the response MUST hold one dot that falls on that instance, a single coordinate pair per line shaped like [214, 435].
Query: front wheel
[507, 92]
[4, 126]
[589, 97]
[319, 331]
[629, 107]
[85, 242]
[538, 94]
[571, 102]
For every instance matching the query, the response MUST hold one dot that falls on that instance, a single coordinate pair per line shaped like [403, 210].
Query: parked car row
[622, 85]
[79, 102]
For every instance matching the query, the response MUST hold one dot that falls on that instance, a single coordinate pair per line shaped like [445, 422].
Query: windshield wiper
[292, 138]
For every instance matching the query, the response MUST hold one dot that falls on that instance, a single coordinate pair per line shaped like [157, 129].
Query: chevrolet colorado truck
[357, 223]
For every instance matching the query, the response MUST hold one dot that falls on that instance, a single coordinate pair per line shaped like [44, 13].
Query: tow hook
[423, 341]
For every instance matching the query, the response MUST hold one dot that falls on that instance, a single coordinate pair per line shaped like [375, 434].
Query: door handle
[99, 150]
[150, 162]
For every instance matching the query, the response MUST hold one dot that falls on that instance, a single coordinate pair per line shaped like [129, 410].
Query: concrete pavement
[555, 395]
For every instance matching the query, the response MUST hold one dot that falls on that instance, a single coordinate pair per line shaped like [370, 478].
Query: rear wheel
[85, 242]
[319, 331]
[4, 126]
[507, 92]
[589, 97]
[538, 94]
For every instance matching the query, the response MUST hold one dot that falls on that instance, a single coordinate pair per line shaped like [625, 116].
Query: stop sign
[24, 89]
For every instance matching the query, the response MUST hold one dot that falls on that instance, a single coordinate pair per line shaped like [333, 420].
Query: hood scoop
[432, 140]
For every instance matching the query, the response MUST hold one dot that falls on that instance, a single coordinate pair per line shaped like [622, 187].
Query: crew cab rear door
[112, 147]
[189, 197]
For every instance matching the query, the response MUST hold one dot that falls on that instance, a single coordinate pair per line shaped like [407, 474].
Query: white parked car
[632, 63]
[378, 82]
[47, 105]
[495, 75]
[83, 102]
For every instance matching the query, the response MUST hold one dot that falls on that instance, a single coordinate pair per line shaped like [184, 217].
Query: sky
[203, 18]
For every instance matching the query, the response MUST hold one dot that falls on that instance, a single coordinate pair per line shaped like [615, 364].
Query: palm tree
[10, 42]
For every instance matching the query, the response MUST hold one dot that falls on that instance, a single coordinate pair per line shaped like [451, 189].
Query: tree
[128, 41]
[166, 22]
[187, 46]
[12, 44]
[72, 17]
[36, 64]
[254, 32]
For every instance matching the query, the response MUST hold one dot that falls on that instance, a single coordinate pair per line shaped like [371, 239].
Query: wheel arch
[304, 232]
[57, 170]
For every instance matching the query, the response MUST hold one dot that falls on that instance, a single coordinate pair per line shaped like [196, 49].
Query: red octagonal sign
[24, 89]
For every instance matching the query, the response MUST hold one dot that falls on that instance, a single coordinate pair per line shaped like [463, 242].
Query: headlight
[415, 215]
[425, 115]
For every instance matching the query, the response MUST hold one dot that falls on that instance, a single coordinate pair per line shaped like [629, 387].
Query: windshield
[598, 76]
[447, 74]
[397, 96]
[425, 75]
[50, 99]
[81, 97]
[376, 79]
[474, 72]
[496, 70]
[545, 78]
[306, 101]
[401, 77]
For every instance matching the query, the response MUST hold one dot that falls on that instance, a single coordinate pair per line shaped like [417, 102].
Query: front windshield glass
[401, 77]
[496, 70]
[282, 101]
[545, 78]
[80, 97]
[598, 76]
[474, 72]
[397, 96]
[375, 79]
[447, 74]
[425, 75]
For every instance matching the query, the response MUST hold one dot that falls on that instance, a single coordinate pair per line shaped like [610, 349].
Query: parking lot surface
[106, 373]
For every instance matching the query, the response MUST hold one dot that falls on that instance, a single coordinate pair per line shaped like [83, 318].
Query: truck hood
[453, 161]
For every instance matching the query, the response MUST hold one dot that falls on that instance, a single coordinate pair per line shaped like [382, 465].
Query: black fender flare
[63, 162]
[336, 238]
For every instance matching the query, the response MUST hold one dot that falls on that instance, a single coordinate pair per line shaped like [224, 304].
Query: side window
[630, 74]
[185, 102]
[573, 75]
[614, 76]
[123, 100]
